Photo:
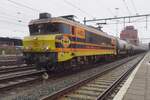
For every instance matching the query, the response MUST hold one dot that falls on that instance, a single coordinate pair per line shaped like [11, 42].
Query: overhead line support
[125, 17]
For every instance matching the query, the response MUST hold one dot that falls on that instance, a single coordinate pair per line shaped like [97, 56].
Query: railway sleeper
[92, 89]
[84, 92]
[78, 97]
[96, 85]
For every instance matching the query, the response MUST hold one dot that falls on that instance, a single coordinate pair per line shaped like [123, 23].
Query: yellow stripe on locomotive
[58, 39]
[39, 43]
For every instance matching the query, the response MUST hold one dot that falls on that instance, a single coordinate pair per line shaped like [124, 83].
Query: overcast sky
[14, 16]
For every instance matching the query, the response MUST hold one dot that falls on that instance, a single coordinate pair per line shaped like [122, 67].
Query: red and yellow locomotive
[61, 40]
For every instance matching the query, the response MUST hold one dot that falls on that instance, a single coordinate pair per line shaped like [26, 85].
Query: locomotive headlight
[47, 48]
[26, 48]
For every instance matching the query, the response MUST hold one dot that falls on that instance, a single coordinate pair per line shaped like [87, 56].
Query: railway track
[8, 57]
[15, 68]
[11, 80]
[17, 74]
[98, 86]
[10, 60]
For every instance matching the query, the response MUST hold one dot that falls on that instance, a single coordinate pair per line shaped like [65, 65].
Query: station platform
[137, 86]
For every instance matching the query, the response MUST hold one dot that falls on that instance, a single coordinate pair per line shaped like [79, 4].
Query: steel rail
[10, 62]
[70, 88]
[117, 82]
[11, 81]
[20, 75]
[9, 69]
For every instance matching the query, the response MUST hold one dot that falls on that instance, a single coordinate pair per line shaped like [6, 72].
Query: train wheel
[45, 76]
[86, 60]
[73, 62]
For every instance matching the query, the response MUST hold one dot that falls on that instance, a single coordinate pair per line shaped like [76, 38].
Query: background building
[10, 46]
[130, 34]
[10, 42]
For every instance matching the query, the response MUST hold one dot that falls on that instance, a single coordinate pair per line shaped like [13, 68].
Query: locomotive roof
[70, 22]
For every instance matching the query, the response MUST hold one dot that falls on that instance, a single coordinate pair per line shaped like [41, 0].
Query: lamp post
[116, 21]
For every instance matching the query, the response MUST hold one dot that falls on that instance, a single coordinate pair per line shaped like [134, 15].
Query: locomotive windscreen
[49, 28]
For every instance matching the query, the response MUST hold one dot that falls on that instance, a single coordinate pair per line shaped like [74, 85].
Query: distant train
[58, 43]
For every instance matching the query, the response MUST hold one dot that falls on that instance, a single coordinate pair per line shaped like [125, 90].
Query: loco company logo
[65, 41]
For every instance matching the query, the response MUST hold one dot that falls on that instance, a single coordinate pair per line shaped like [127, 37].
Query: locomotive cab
[40, 46]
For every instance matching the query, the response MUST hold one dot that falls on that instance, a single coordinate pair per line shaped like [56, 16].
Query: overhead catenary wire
[110, 11]
[12, 18]
[14, 29]
[15, 19]
[8, 18]
[142, 21]
[129, 12]
[14, 12]
[14, 23]
[74, 6]
[133, 4]
[23, 5]
[133, 7]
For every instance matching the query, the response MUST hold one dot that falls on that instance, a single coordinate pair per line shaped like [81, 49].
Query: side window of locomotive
[52, 28]
[89, 38]
[64, 28]
[97, 39]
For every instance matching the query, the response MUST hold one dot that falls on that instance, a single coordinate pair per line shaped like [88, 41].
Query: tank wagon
[57, 43]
